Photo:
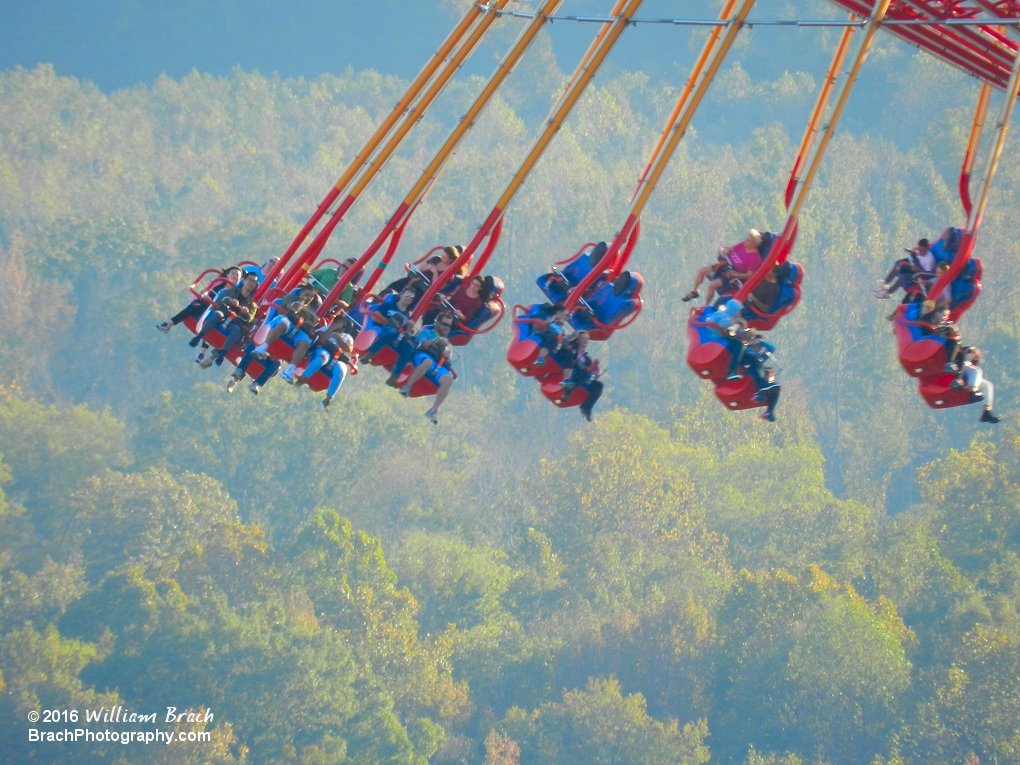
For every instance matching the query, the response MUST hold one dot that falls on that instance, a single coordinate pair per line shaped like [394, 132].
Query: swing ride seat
[921, 354]
[789, 297]
[707, 352]
[427, 385]
[613, 305]
[557, 284]
[385, 356]
[965, 289]
[738, 394]
[523, 351]
[552, 389]
[938, 393]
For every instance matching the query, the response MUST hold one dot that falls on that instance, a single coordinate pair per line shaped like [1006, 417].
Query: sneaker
[406, 391]
[164, 327]
[586, 413]
[206, 363]
[302, 380]
[218, 361]
[193, 342]
[324, 404]
[957, 384]
[568, 387]
[951, 369]
[733, 377]
[232, 383]
[690, 296]
[881, 294]
[976, 395]
[254, 388]
[987, 416]
[392, 381]
[891, 316]
[261, 351]
[288, 374]
[769, 416]
[432, 416]
[199, 356]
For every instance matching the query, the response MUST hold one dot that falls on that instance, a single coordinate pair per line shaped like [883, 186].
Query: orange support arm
[970, 156]
[781, 247]
[586, 71]
[370, 167]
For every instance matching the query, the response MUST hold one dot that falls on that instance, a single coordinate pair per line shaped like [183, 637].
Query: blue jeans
[336, 368]
[269, 367]
[386, 337]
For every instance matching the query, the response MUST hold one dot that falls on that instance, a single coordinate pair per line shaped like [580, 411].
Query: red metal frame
[980, 50]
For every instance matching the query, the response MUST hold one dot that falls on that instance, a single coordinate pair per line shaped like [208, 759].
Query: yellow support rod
[416, 87]
[977, 127]
[872, 27]
[394, 141]
[560, 114]
[699, 66]
[811, 133]
[970, 156]
[733, 28]
[511, 59]
[1001, 127]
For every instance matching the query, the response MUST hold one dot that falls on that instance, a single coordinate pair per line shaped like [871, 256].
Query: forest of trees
[672, 583]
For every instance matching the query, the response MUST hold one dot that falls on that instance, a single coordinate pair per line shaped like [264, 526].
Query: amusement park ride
[594, 288]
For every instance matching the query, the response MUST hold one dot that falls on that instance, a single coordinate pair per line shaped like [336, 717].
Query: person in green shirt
[325, 279]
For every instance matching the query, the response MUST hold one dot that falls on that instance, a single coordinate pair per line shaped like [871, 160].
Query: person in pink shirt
[734, 263]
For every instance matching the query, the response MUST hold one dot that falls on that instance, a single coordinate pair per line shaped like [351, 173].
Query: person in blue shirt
[393, 315]
[409, 346]
[430, 356]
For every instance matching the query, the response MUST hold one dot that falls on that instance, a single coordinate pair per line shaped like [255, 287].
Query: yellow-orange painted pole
[569, 99]
[811, 132]
[424, 77]
[370, 170]
[587, 71]
[974, 219]
[783, 243]
[1001, 128]
[406, 208]
[684, 122]
[970, 156]
[506, 66]
[816, 160]
[419, 83]
[696, 72]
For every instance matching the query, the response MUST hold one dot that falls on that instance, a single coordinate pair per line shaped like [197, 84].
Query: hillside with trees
[672, 583]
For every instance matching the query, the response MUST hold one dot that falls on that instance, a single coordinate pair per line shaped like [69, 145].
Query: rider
[918, 264]
[233, 315]
[409, 347]
[333, 356]
[393, 314]
[194, 309]
[580, 369]
[738, 262]
[325, 279]
[431, 357]
[972, 379]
